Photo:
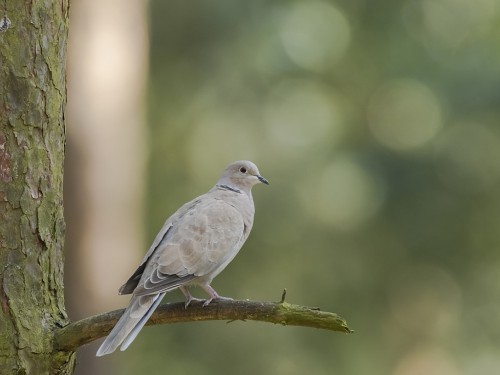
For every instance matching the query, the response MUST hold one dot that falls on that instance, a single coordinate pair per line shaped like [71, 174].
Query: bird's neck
[227, 185]
[230, 188]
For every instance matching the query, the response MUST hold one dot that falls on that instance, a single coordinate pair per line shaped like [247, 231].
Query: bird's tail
[131, 322]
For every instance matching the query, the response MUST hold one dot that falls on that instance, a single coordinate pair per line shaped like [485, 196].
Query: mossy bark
[87, 330]
[32, 139]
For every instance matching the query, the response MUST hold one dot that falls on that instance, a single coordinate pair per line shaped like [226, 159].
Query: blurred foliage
[377, 124]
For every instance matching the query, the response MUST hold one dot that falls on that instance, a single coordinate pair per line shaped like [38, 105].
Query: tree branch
[76, 334]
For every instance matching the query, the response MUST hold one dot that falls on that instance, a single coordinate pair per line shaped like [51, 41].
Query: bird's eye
[243, 170]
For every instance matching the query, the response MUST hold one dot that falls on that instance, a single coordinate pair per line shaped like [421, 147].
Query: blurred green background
[377, 124]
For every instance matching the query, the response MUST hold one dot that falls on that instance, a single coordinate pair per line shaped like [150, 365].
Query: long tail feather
[133, 334]
[130, 323]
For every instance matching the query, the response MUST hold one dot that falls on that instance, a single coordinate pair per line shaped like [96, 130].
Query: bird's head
[242, 174]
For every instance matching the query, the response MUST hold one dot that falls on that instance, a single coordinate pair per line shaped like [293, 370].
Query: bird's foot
[188, 296]
[191, 299]
[217, 298]
[213, 295]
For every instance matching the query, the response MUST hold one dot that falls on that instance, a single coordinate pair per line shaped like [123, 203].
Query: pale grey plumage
[194, 245]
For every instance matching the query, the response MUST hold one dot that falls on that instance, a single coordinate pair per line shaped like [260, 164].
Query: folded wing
[198, 245]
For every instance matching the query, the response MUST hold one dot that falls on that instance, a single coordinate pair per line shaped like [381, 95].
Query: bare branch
[89, 329]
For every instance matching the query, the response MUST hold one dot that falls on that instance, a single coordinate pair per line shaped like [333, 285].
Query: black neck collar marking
[230, 188]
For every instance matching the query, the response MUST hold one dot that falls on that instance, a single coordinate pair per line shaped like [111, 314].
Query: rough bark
[32, 102]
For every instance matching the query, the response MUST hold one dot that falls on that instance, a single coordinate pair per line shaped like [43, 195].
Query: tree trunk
[32, 102]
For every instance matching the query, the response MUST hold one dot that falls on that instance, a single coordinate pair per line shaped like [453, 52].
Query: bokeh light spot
[446, 25]
[346, 195]
[301, 113]
[404, 114]
[428, 360]
[485, 363]
[219, 137]
[315, 34]
[425, 296]
[468, 158]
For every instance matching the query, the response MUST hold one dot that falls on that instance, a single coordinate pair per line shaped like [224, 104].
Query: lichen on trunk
[32, 103]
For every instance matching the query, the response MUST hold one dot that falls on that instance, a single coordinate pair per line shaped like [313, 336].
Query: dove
[194, 245]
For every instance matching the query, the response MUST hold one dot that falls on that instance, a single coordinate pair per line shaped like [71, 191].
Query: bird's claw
[217, 298]
[191, 299]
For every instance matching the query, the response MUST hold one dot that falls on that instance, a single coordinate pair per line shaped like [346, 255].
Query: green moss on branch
[92, 328]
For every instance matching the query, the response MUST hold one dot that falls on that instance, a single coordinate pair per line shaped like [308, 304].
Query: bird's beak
[263, 180]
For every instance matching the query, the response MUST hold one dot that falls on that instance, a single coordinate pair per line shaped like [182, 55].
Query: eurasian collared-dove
[195, 244]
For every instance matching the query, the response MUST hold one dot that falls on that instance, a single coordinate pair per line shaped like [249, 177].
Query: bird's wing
[201, 240]
[133, 281]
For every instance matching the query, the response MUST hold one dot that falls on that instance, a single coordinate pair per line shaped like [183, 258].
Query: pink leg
[213, 295]
[189, 297]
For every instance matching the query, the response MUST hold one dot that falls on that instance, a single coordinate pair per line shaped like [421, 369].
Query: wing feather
[200, 242]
